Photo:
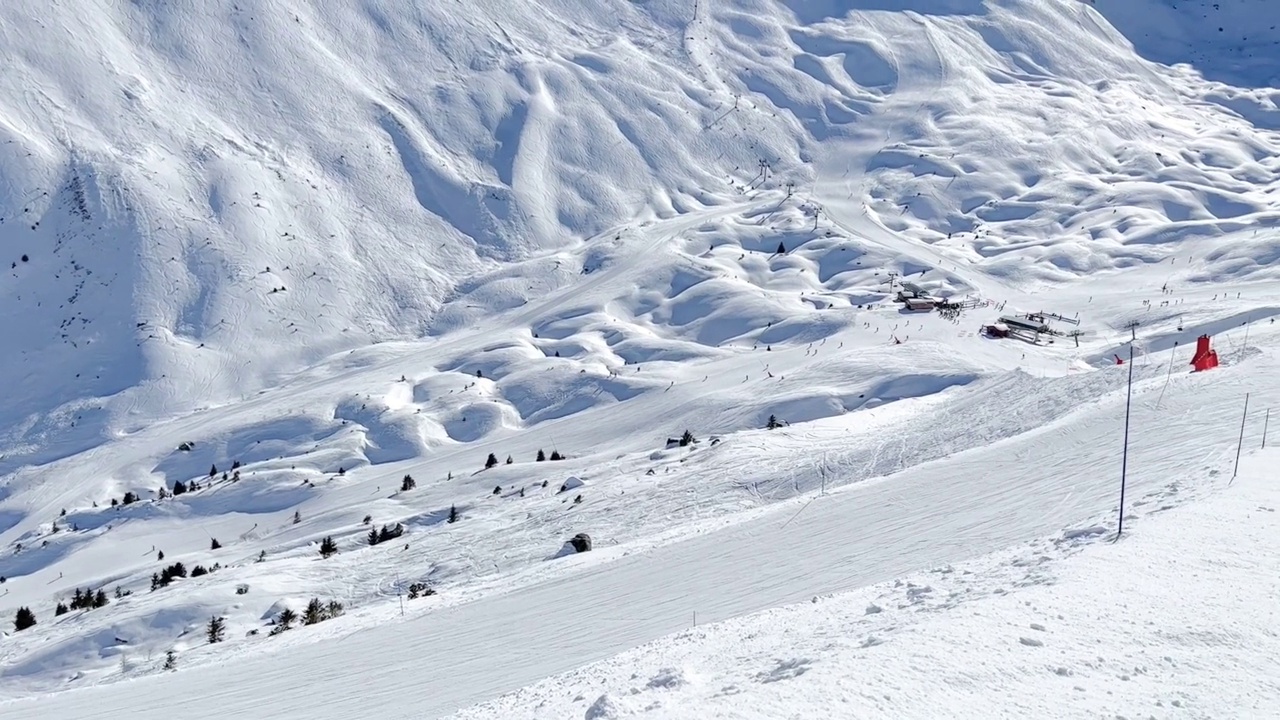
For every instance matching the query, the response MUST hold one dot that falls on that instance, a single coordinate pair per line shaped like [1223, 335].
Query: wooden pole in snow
[1124, 462]
[1265, 422]
[1240, 445]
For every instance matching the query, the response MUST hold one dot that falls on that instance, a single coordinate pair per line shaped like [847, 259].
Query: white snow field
[297, 251]
[1177, 620]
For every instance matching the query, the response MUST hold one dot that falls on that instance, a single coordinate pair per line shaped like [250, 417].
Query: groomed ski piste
[297, 252]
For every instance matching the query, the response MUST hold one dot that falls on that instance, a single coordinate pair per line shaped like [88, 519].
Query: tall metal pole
[1124, 462]
[1265, 422]
[1240, 445]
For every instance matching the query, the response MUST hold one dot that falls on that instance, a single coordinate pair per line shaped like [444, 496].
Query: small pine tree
[367, 519]
[497, 490]
[555, 455]
[213, 471]
[100, 599]
[782, 249]
[160, 556]
[23, 619]
[129, 498]
[163, 493]
[509, 460]
[62, 609]
[216, 630]
[373, 537]
[287, 618]
[155, 581]
[687, 439]
[408, 483]
[314, 612]
[199, 570]
[577, 500]
[453, 513]
[542, 457]
[262, 556]
[328, 547]
[491, 462]
[774, 424]
[214, 544]
[342, 470]
[333, 609]
[179, 488]
[114, 502]
[171, 660]
[297, 516]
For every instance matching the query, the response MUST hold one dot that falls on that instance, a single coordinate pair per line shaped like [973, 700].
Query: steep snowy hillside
[324, 259]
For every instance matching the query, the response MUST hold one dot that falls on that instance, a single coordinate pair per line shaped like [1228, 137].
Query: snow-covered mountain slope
[451, 651]
[1174, 621]
[338, 243]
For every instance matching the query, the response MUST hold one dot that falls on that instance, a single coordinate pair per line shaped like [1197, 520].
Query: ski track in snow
[342, 243]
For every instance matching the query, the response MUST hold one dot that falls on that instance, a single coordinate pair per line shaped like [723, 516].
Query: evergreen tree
[216, 630]
[497, 490]
[287, 618]
[491, 462]
[373, 536]
[542, 457]
[297, 516]
[199, 570]
[262, 556]
[773, 423]
[179, 488]
[555, 455]
[114, 502]
[171, 660]
[214, 544]
[782, 249]
[453, 513]
[687, 439]
[160, 556]
[509, 460]
[408, 483]
[100, 599]
[129, 498]
[77, 600]
[155, 581]
[328, 547]
[334, 609]
[314, 612]
[61, 609]
[24, 619]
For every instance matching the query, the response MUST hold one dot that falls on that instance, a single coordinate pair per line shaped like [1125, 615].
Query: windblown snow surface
[335, 243]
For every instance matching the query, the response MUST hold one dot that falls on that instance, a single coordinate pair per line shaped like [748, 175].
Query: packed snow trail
[1036, 484]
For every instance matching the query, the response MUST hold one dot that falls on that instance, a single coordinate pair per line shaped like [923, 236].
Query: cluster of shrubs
[387, 532]
[317, 612]
[420, 589]
[167, 575]
[492, 460]
[85, 599]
